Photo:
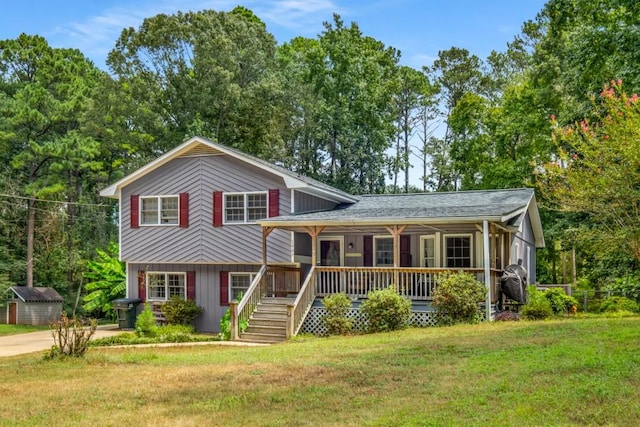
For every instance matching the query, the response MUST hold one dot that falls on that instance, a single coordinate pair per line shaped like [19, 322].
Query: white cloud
[295, 14]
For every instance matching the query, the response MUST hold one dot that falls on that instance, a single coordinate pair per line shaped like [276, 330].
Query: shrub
[628, 286]
[457, 296]
[386, 310]
[335, 319]
[615, 304]
[146, 323]
[561, 303]
[538, 307]
[178, 311]
[71, 337]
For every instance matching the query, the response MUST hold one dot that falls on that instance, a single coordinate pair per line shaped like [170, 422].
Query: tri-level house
[209, 223]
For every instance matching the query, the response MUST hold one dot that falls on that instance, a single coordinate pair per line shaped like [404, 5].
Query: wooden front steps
[268, 322]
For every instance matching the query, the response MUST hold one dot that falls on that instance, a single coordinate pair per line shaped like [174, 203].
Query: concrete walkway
[13, 345]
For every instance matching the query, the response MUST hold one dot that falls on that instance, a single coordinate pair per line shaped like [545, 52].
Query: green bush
[561, 303]
[628, 286]
[538, 307]
[456, 298]
[146, 323]
[178, 311]
[386, 310]
[335, 320]
[615, 304]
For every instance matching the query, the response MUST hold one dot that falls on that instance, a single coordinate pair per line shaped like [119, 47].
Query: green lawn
[561, 372]
[19, 329]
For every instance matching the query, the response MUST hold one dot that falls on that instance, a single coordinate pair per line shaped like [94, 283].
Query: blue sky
[419, 28]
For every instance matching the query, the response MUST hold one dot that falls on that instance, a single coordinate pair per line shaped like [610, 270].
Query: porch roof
[506, 207]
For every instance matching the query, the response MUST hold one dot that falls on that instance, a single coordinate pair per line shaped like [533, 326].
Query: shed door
[13, 318]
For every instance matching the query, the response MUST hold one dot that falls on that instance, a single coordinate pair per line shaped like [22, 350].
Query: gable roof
[36, 294]
[201, 146]
[501, 206]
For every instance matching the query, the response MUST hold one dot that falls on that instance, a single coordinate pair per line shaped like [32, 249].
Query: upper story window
[458, 251]
[245, 208]
[159, 210]
[163, 286]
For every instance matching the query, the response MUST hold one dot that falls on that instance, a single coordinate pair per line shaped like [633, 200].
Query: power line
[54, 201]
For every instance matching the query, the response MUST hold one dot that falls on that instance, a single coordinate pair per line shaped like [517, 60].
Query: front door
[331, 251]
[13, 317]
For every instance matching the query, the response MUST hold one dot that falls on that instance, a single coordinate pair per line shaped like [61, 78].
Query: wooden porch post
[487, 267]
[265, 233]
[396, 231]
[313, 232]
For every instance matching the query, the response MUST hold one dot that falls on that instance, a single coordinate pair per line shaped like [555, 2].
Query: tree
[43, 93]
[207, 73]
[108, 280]
[597, 170]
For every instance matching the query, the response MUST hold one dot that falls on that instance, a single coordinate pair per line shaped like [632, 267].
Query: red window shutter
[135, 211]
[184, 210]
[224, 288]
[405, 250]
[191, 285]
[142, 288]
[217, 208]
[367, 251]
[274, 202]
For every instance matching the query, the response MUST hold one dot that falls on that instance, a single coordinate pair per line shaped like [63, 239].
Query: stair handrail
[242, 310]
[302, 304]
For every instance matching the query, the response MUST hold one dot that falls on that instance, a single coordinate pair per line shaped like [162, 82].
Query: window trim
[329, 238]
[375, 249]
[471, 253]
[159, 211]
[251, 274]
[166, 284]
[436, 249]
[245, 216]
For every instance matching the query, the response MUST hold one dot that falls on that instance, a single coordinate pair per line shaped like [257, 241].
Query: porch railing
[301, 306]
[241, 311]
[270, 281]
[414, 283]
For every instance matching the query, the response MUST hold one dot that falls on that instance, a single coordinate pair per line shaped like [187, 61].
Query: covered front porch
[360, 258]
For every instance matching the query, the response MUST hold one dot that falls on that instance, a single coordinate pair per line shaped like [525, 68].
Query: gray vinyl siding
[308, 203]
[207, 287]
[37, 313]
[523, 248]
[201, 242]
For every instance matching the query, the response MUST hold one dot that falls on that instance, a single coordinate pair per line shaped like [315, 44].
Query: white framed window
[159, 210]
[458, 250]
[245, 208]
[161, 286]
[430, 251]
[383, 251]
[239, 283]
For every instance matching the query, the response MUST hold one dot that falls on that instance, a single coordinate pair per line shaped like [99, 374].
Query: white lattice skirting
[313, 323]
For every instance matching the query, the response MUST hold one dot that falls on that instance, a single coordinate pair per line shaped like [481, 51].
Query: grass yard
[561, 372]
[19, 329]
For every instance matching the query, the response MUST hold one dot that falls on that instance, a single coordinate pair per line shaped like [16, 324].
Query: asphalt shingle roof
[462, 204]
[37, 294]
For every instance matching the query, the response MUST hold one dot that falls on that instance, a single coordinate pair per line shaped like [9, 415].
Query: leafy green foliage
[164, 334]
[628, 286]
[146, 323]
[336, 321]
[108, 281]
[386, 310]
[561, 303]
[178, 311]
[614, 304]
[538, 307]
[457, 298]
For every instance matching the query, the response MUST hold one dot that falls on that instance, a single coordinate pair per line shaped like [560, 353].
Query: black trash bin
[127, 311]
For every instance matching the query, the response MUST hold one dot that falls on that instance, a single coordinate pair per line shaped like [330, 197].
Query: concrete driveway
[12, 345]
